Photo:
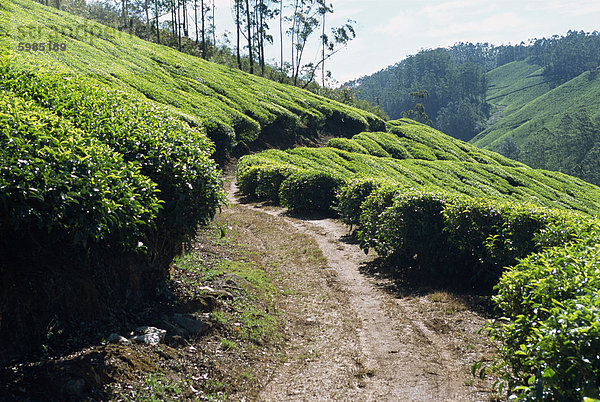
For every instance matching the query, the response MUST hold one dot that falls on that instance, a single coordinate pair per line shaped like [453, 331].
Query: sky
[390, 30]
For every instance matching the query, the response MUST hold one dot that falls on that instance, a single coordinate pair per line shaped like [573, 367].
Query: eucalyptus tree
[306, 18]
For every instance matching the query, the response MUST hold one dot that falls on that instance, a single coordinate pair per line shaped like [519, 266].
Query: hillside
[530, 235]
[450, 90]
[235, 108]
[413, 156]
[547, 127]
[131, 269]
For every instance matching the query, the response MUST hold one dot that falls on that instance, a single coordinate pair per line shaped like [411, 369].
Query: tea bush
[495, 178]
[59, 187]
[346, 144]
[351, 197]
[235, 109]
[444, 235]
[264, 182]
[406, 225]
[310, 191]
[550, 336]
[172, 154]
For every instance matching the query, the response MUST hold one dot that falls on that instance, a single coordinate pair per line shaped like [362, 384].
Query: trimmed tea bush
[410, 227]
[59, 187]
[444, 235]
[264, 182]
[550, 336]
[351, 197]
[346, 144]
[496, 177]
[171, 153]
[237, 110]
[310, 191]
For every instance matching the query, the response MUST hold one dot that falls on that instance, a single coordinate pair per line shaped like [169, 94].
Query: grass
[230, 105]
[252, 314]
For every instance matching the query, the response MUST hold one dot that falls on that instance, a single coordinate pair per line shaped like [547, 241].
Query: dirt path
[350, 339]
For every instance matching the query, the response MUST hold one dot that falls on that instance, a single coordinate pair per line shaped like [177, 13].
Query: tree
[418, 111]
[281, 31]
[249, 37]
[238, 24]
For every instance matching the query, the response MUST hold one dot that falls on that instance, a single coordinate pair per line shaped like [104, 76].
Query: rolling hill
[234, 108]
[413, 155]
[106, 167]
[547, 127]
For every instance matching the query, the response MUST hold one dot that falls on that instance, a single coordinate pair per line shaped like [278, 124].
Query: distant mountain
[538, 103]
[443, 89]
[547, 126]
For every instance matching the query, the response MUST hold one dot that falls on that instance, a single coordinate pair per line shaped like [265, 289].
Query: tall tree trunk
[196, 20]
[147, 21]
[249, 37]
[124, 11]
[185, 19]
[173, 18]
[179, 24]
[237, 20]
[293, 36]
[203, 10]
[261, 38]
[281, 30]
[323, 53]
[157, 26]
[214, 28]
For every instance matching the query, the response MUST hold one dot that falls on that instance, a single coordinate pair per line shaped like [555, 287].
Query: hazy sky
[390, 30]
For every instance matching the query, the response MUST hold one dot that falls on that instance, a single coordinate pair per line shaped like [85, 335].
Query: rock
[74, 387]
[191, 324]
[220, 294]
[172, 329]
[149, 335]
[116, 338]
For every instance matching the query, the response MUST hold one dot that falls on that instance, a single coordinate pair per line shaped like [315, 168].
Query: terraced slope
[233, 107]
[471, 172]
[544, 127]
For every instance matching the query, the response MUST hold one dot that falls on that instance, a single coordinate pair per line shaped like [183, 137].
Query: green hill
[233, 107]
[411, 155]
[554, 128]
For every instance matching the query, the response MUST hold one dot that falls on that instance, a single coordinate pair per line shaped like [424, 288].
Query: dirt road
[349, 337]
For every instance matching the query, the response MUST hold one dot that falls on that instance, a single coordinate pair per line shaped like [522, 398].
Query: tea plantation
[235, 108]
[453, 215]
[99, 188]
[107, 160]
[106, 147]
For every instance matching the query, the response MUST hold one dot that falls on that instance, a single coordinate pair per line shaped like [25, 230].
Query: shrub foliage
[450, 214]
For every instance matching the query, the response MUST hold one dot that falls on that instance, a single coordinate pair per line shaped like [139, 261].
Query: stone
[177, 341]
[74, 386]
[149, 335]
[116, 338]
[203, 303]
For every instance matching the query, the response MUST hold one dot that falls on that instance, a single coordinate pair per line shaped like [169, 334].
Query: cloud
[575, 8]
[398, 25]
